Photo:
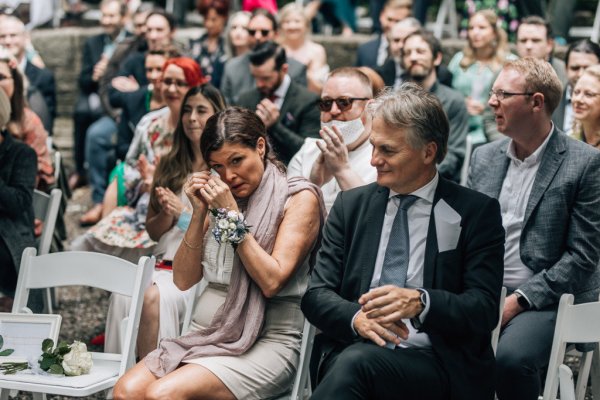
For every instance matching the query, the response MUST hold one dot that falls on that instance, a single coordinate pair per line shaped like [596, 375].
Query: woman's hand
[193, 188]
[218, 195]
[474, 107]
[169, 202]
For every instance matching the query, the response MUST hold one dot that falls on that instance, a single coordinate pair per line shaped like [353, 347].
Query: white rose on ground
[78, 361]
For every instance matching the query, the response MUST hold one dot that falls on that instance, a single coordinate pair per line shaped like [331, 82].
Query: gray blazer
[237, 78]
[560, 240]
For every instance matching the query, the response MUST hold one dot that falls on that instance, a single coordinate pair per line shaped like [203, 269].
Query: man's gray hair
[408, 22]
[416, 111]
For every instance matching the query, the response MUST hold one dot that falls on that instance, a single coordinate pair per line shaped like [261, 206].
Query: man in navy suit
[14, 38]
[373, 53]
[407, 281]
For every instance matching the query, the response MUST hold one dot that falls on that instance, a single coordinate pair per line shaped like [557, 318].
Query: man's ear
[438, 59]
[284, 68]
[539, 102]
[429, 153]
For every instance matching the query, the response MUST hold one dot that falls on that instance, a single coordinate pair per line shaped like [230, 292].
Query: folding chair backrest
[574, 324]
[88, 269]
[45, 208]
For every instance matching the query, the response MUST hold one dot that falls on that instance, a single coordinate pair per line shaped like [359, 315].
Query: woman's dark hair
[174, 167]
[236, 125]
[168, 16]
[17, 101]
[221, 7]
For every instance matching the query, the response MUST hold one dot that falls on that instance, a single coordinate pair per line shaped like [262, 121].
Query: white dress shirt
[359, 159]
[382, 51]
[281, 91]
[418, 224]
[514, 196]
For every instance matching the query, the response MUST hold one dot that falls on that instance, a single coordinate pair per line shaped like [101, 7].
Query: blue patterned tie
[395, 263]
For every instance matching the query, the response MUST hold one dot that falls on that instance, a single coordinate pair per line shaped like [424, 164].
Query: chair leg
[584, 372]
[4, 394]
[596, 374]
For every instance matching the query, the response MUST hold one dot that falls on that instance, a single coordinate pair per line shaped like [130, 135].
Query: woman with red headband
[126, 200]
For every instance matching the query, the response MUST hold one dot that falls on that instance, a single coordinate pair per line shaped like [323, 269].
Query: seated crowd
[346, 198]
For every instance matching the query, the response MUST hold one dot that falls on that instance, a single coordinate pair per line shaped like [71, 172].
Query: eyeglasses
[586, 95]
[501, 94]
[343, 103]
[180, 84]
[263, 32]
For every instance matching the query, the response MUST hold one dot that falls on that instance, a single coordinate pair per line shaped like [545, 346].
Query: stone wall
[61, 50]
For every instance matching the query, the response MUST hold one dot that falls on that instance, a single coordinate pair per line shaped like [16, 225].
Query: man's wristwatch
[415, 321]
[523, 303]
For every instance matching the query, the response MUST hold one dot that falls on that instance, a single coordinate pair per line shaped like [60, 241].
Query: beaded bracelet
[230, 226]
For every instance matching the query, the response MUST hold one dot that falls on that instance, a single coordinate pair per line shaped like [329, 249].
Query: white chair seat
[104, 375]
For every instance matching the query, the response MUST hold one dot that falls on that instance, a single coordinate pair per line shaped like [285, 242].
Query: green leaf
[45, 363]
[63, 350]
[6, 352]
[47, 345]
[56, 369]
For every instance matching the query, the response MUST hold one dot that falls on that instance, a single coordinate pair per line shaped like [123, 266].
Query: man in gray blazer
[262, 27]
[549, 195]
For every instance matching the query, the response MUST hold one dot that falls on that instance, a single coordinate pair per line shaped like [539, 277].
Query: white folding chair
[45, 208]
[195, 291]
[574, 324]
[496, 331]
[447, 11]
[88, 269]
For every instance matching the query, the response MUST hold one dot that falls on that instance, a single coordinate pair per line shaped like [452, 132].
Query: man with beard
[421, 54]
[262, 27]
[287, 109]
[341, 160]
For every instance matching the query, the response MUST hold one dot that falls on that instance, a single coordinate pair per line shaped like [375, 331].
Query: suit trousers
[367, 371]
[523, 354]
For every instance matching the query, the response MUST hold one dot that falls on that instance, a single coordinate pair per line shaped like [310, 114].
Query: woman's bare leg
[110, 198]
[190, 381]
[149, 322]
[133, 385]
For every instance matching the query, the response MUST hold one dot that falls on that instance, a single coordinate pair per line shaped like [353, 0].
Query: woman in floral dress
[122, 232]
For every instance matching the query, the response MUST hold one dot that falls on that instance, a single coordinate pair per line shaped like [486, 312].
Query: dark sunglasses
[343, 103]
[264, 32]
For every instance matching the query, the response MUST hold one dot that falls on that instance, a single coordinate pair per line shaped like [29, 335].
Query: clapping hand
[169, 202]
[333, 148]
[474, 107]
[268, 112]
[146, 170]
[125, 84]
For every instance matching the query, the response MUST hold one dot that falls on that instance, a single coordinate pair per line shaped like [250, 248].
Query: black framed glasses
[343, 103]
[502, 94]
[263, 32]
[179, 83]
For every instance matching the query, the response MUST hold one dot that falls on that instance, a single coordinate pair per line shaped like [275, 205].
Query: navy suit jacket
[463, 284]
[43, 80]
[366, 54]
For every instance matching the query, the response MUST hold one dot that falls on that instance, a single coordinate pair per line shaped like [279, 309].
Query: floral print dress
[508, 15]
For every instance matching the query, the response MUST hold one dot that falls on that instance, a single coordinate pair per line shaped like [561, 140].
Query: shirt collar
[281, 91]
[426, 192]
[535, 157]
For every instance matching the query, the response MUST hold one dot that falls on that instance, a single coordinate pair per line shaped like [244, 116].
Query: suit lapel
[431, 246]
[372, 234]
[499, 162]
[552, 159]
[287, 100]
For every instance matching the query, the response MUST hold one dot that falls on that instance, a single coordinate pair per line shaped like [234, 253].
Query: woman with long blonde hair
[586, 107]
[476, 66]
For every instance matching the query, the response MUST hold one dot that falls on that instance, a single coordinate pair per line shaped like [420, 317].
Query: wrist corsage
[230, 226]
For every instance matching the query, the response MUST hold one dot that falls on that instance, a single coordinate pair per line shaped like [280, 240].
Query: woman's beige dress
[268, 368]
